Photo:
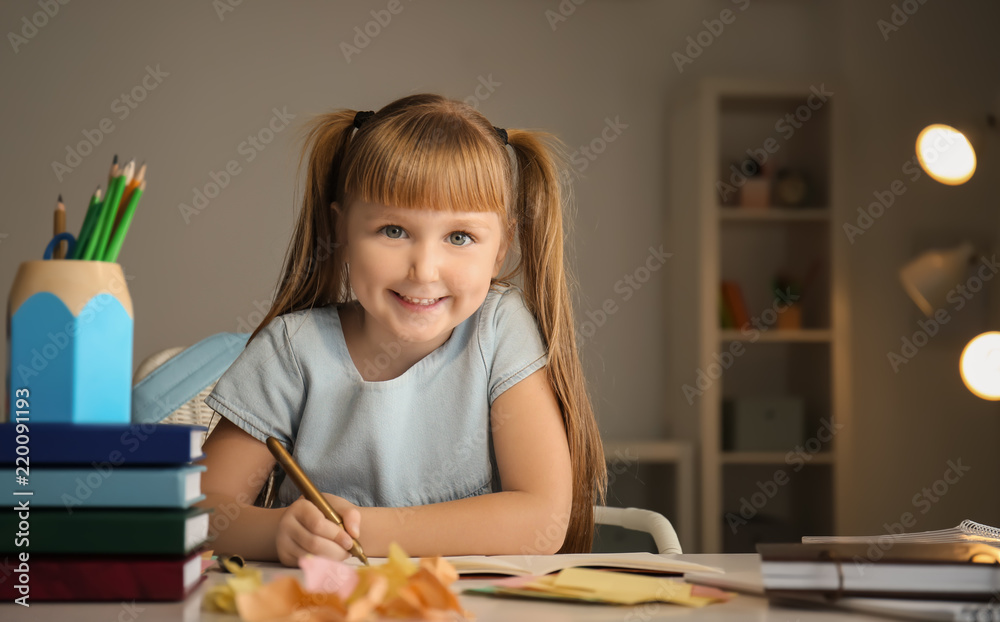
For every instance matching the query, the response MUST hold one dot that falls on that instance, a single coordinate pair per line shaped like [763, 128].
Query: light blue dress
[423, 437]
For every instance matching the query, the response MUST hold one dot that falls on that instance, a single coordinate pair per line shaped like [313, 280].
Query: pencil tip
[60, 197]
[115, 161]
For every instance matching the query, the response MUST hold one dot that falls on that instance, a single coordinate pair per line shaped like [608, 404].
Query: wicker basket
[196, 412]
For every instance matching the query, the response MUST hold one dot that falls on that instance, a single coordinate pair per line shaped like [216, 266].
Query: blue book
[28, 444]
[105, 486]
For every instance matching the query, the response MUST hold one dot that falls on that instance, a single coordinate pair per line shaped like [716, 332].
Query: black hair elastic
[362, 116]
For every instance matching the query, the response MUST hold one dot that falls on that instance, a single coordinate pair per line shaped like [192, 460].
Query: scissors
[56, 240]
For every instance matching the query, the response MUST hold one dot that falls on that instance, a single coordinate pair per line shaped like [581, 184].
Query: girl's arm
[238, 465]
[529, 517]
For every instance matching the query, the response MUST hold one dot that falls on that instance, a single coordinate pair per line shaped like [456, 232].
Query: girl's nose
[424, 263]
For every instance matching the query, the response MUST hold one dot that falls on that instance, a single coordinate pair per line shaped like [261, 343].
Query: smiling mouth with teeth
[425, 302]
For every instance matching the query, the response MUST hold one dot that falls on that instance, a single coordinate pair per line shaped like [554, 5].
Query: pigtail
[538, 208]
[313, 273]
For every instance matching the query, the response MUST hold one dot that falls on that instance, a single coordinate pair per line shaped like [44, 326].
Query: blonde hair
[428, 152]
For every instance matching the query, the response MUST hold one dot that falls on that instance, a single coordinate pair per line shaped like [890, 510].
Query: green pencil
[110, 209]
[116, 241]
[90, 252]
[88, 223]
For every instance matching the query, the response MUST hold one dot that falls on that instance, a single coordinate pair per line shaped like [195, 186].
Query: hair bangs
[437, 162]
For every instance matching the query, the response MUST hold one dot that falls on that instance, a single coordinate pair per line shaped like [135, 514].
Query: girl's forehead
[371, 211]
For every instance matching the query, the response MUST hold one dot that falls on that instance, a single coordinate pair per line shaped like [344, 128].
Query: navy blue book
[86, 443]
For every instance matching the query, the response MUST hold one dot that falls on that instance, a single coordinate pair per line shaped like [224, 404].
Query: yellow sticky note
[624, 588]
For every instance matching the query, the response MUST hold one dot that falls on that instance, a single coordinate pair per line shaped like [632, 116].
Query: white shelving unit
[715, 125]
[677, 453]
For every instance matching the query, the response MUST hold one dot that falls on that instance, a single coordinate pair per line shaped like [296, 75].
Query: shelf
[648, 451]
[777, 335]
[771, 457]
[777, 214]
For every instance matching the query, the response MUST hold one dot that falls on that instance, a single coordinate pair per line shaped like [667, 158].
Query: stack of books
[934, 575]
[102, 512]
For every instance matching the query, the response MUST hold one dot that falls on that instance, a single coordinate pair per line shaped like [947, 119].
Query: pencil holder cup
[69, 336]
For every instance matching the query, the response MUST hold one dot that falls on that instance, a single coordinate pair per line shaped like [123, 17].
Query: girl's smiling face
[419, 273]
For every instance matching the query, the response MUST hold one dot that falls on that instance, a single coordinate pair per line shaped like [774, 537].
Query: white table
[486, 609]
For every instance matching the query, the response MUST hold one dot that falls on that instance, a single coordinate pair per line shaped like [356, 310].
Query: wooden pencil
[127, 195]
[59, 226]
[93, 211]
[97, 244]
[115, 245]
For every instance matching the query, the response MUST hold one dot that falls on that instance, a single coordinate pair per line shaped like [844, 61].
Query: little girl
[433, 403]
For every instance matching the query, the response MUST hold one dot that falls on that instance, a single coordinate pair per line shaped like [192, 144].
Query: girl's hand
[304, 530]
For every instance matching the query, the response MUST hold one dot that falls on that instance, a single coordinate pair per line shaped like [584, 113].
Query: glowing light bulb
[980, 366]
[946, 154]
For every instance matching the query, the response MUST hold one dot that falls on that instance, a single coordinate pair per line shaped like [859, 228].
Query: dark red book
[732, 296]
[104, 578]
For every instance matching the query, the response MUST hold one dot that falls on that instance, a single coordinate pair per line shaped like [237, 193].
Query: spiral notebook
[967, 531]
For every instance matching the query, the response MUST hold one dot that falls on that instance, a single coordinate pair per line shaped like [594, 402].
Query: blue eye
[462, 238]
[392, 232]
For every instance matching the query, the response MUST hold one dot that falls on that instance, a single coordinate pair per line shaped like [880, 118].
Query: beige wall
[941, 64]
[225, 75]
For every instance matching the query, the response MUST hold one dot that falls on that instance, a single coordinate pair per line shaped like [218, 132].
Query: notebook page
[967, 531]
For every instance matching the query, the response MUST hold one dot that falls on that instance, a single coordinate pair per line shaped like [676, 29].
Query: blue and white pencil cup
[69, 336]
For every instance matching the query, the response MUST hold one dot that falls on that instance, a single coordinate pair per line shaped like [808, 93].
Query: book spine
[104, 579]
[737, 305]
[66, 443]
[107, 532]
[111, 487]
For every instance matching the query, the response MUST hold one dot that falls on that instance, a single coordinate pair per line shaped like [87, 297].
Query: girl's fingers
[313, 521]
[352, 521]
[309, 542]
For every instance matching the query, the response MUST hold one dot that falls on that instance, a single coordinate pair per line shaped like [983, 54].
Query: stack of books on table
[950, 574]
[102, 512]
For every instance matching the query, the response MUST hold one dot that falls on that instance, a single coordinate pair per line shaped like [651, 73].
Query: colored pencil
[119, 236]
[138, 179]
[59, 226]
[113, 172]
[88, 223]
[111, 211]
[97, 243]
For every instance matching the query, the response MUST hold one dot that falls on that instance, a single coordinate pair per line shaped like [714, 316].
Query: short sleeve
[262, 392]
[518, 349]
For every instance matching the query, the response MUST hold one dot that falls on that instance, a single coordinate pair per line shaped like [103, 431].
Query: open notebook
[967, 531]
[525, 565]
